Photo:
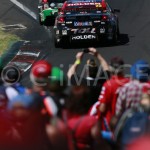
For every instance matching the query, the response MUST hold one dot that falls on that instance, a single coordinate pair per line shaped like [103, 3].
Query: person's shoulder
[88, 118]
[128, 84]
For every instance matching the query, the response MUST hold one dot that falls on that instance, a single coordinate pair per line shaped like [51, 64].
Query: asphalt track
[134, 27]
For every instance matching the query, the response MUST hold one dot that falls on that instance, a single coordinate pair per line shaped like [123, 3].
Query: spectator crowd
[100, 109]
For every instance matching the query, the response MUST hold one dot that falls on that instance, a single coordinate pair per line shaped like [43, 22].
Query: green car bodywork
[49, 13]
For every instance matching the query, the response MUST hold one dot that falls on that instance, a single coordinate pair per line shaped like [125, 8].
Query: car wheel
[41, 23]
[57, 43]
[115, 38]
[118, 31]
[65, 42]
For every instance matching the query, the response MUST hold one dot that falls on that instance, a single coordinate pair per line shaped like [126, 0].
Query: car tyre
[65, 42]
[56, 43]
[41, 23]
[115, 38]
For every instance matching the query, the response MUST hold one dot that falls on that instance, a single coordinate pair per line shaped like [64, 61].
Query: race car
[86, 20]
[48, 10]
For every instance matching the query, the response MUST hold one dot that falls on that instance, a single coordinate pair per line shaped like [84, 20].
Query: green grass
[6, 40]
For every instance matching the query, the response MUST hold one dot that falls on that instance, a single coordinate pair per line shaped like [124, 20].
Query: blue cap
[25, 101]
[140, 70]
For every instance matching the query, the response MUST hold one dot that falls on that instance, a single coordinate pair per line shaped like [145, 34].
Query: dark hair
[92, 68]
[78, 102]
[117, 65]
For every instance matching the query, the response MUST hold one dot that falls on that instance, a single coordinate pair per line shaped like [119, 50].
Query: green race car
[48, 10]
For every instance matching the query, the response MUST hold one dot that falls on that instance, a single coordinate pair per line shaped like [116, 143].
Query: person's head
[145, 99]
[92, 68]
[116, 66]
[78, 102]
[39, 74]
[21, 106]
[57, 80]
[140, 70]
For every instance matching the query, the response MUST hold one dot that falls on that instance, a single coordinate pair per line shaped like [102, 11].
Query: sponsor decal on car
[84, 30]
[84, 37]
[85, 4]
[83, 23]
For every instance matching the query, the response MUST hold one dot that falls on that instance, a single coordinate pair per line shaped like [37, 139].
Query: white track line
[25, 9]
[16, 27]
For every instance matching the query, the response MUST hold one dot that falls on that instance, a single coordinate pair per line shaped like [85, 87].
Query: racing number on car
[98, 5]
[84, 30]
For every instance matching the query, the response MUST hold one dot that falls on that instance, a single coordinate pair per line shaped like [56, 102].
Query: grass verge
[6, 40]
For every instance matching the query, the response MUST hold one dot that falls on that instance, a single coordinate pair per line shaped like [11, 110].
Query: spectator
[57, 88]
[27, 127]
[130, 93]
[108, 95]
[144, 108]
[94, 80]
[39, 76]
[85, 129]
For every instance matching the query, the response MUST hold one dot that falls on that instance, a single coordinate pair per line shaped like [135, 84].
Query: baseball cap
[140, 70]
[26, 101]
[40, 72]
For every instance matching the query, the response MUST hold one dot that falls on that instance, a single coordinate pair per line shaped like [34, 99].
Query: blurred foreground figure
[135, 122]
[84, 129]
[140, 144]
[109, 93]
[130, 93]
[57, 87]
[95, 74]
[27, 125]
[27, 129]
[40, 75]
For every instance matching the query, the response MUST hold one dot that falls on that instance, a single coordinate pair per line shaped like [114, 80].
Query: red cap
[41, 69]
[40, 72]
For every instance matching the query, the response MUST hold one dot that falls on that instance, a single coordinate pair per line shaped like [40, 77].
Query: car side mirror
[117, 10]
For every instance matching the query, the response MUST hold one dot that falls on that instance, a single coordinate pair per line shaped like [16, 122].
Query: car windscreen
[83, 7]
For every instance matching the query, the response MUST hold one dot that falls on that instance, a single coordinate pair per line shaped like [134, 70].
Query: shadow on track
[123, 39]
